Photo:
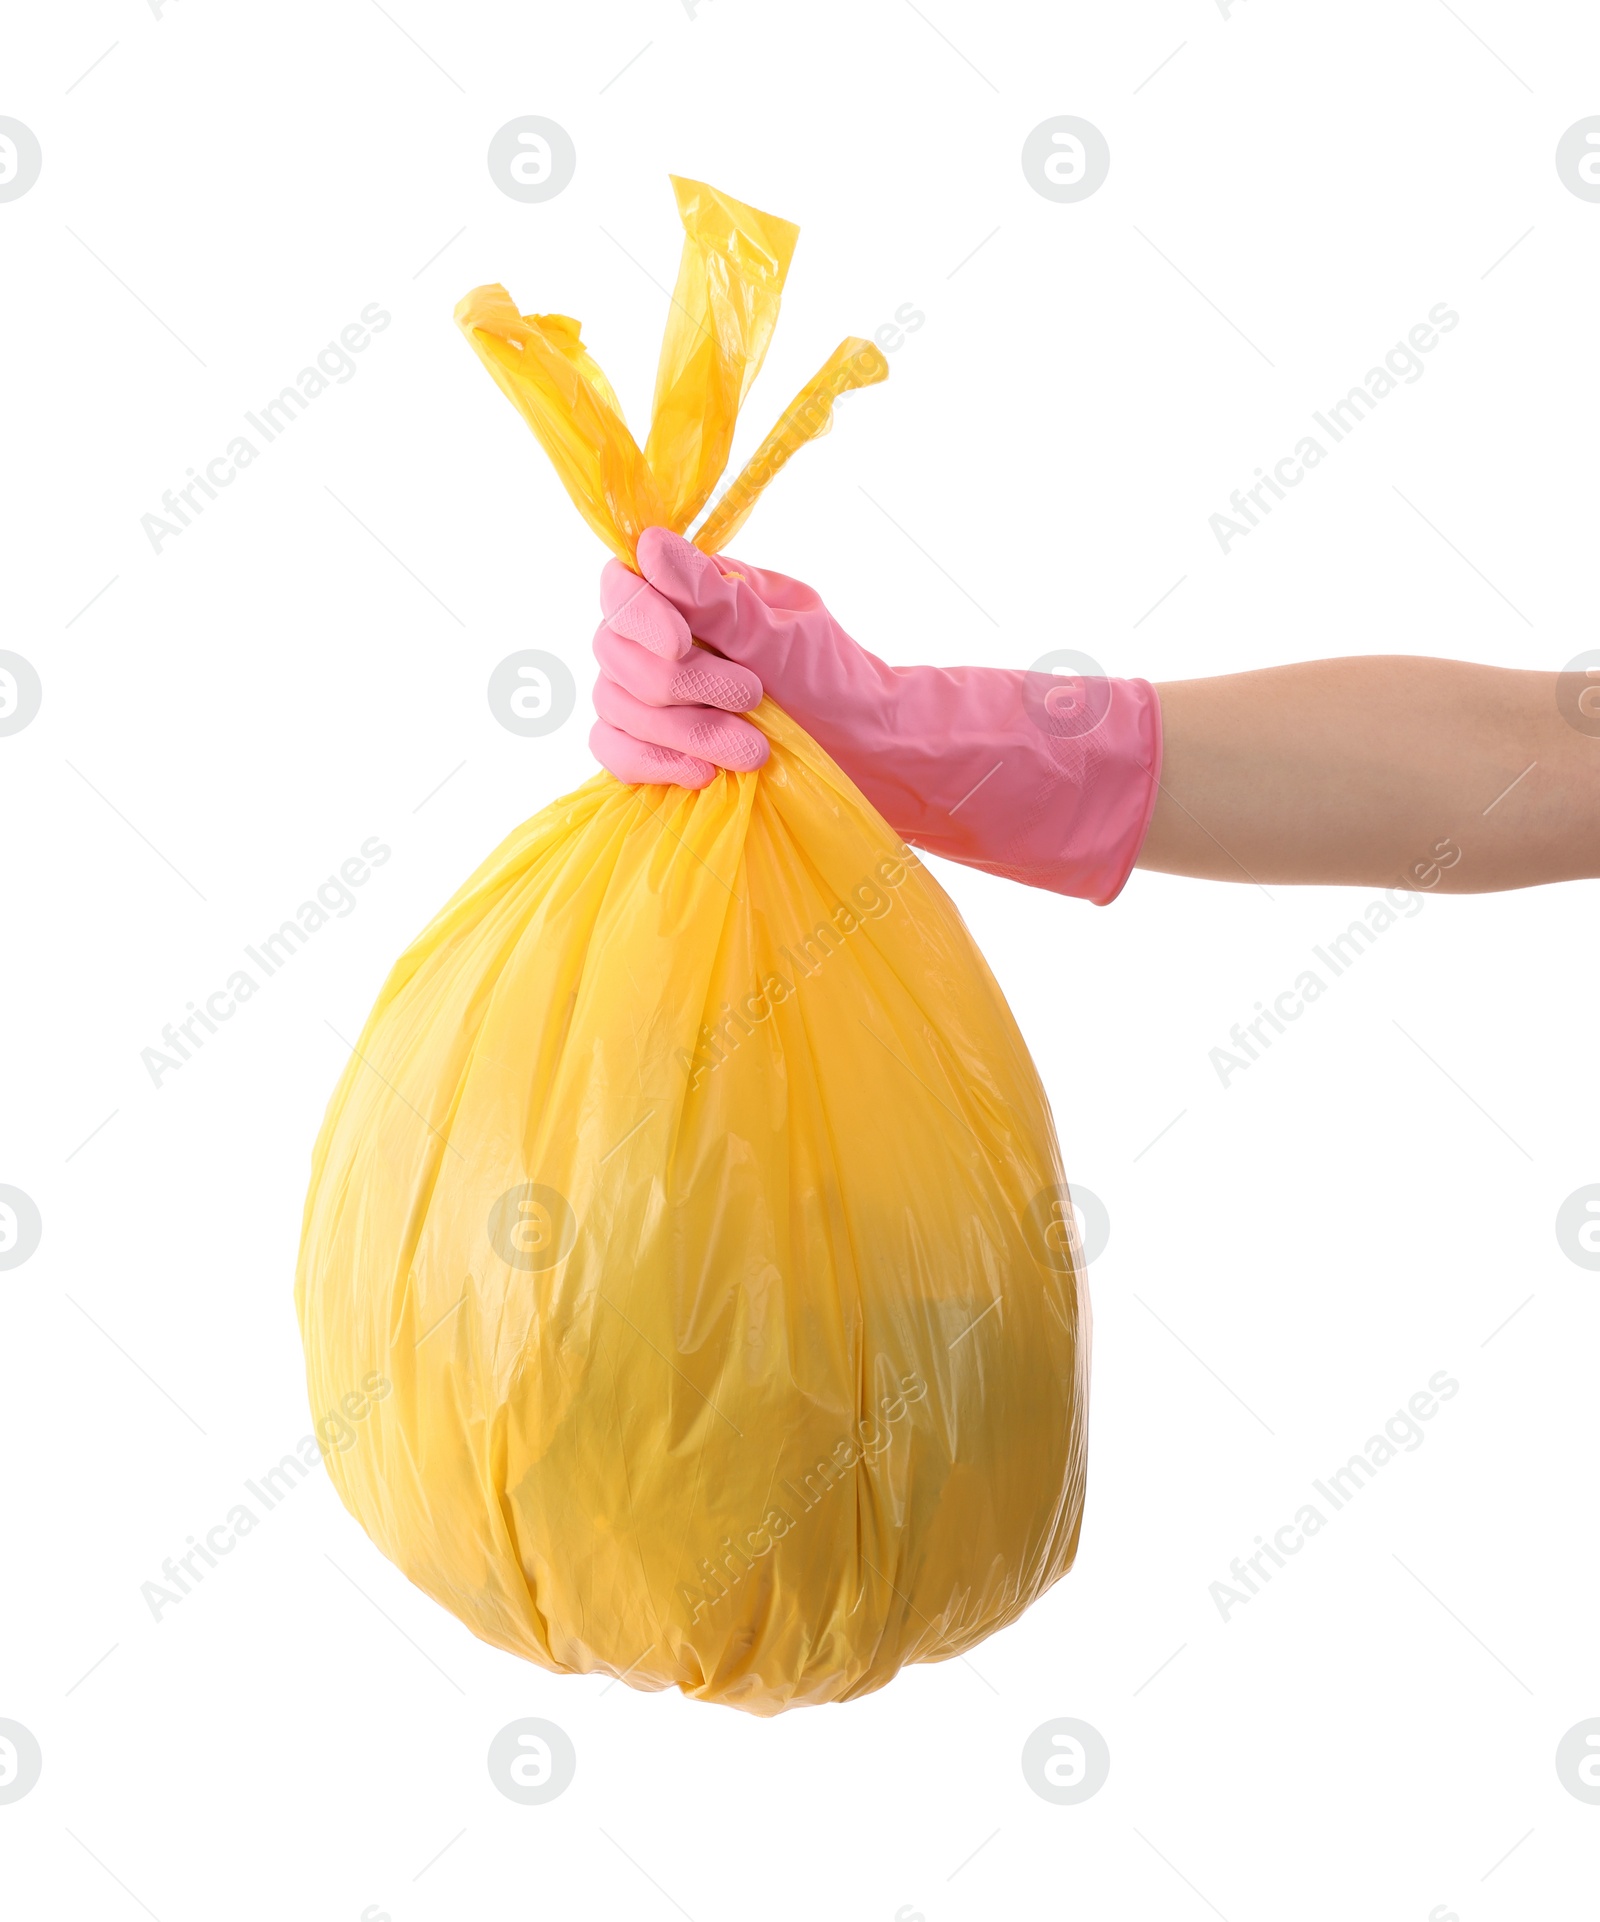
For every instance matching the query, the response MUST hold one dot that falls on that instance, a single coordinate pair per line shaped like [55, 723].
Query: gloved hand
[1045, 779]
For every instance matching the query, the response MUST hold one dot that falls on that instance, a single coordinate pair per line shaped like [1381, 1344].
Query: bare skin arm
[1379, 771]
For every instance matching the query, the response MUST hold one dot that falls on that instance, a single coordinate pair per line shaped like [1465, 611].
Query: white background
[1288, 1264]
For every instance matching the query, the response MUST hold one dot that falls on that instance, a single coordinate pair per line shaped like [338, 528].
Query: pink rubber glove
[1045, 779]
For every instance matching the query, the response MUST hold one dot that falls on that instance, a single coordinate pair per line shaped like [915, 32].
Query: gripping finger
[703, 733]
[692, 584]
[700, 679]
[642, 764]
[635, 609]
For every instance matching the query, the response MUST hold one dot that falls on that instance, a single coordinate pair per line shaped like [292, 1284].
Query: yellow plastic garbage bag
[688, 1221]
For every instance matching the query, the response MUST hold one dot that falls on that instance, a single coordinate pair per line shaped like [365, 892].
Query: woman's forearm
[1376, 771]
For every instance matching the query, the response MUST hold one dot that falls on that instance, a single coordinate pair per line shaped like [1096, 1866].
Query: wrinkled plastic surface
[688, 1225]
